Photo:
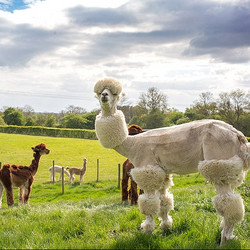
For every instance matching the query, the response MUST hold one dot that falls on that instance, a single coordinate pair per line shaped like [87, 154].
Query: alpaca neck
[126, 147]
[111, 130]
[83, 169]
[34, 163]
[107, 111]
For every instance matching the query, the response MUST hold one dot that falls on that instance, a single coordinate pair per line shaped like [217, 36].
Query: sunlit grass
[16, 149]
[92, 216]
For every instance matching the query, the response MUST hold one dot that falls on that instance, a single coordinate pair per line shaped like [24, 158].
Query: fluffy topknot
[108, 83]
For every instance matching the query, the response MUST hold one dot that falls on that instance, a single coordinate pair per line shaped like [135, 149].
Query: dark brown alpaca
[20, 176]
[127, 166]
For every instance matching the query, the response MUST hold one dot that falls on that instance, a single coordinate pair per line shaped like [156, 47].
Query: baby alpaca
[57, 169]
[20, 176]
[77, 171]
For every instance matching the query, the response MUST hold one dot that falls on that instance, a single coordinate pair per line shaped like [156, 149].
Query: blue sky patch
[10, 6]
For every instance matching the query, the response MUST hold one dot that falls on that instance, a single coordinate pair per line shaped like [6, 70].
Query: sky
[53, 52]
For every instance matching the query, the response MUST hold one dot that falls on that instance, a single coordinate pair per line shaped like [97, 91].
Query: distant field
[16, 149]
[92, 216]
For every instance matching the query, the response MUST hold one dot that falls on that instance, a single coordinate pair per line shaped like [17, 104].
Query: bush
[44, 131]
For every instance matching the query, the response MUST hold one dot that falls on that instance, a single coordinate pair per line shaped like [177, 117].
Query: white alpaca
[57, 169]
[215, 149]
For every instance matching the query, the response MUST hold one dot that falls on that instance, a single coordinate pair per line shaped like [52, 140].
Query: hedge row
[44, 131]
[55, 132]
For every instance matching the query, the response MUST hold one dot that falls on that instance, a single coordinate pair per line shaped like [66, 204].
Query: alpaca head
[41, 149]
[84, 160]
[107, 92]
[134, 129]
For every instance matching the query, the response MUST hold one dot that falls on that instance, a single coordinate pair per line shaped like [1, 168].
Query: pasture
[92, 216]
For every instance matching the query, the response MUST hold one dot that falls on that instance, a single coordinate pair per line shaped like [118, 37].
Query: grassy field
[64, 151]
[92, 216]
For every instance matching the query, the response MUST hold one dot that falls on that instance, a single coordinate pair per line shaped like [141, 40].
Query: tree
[2, 121]
[74, 121]
[172, 117]
[51, 121]
[29, 121]
[90, 120]
[13, 116]
[233, 105]
[155, 119]
[205, 106]
[75, 110]
[153, 100]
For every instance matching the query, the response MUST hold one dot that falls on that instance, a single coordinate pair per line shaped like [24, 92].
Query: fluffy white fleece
[109, 83]
[149, 206]
[223, 171]
[167, 204]
[149, 178]
[117, 130]
[230, 206]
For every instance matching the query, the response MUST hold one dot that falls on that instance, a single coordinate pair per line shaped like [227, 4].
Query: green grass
[16, 149]
[92, 216]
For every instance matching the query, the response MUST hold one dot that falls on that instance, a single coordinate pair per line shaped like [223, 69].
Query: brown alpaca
[20, 176]
[127, 166]
[77, 171]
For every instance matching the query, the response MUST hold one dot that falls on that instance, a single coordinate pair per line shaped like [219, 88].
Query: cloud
[85, 17]
[202, 27]
[173, 45]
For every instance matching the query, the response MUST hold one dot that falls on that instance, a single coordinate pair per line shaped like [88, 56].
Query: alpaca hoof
[166, 224]
[148, 226]
[225, 239]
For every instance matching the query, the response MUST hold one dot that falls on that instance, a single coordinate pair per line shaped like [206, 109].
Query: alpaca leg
[71, 178]
[27, 191]
[6, 182]
[125, 178]
[230, 206]
[1, 194]
[81, 179]
[167, 203]
[21, 195]
[225, 174]
[133, 191]
[51, 176]
[150, 179]
[9, 196]
[60, 177]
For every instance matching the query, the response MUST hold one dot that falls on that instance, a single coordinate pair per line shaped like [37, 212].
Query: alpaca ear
[35, 149]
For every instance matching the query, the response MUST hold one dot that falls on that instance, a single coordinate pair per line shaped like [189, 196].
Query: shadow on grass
[138, 240]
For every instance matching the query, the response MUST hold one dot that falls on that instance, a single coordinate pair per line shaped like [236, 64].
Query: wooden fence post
[53, 171]
[119, 175]
[62, 180]
[97, 177]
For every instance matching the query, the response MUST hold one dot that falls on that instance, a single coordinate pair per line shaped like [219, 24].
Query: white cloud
[63, 47]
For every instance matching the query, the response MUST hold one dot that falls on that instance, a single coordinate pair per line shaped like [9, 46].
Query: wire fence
[97, 174]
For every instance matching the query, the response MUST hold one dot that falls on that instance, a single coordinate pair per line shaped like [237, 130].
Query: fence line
[97, 174]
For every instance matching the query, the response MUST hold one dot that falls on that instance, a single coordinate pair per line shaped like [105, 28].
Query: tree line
[151, 111]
